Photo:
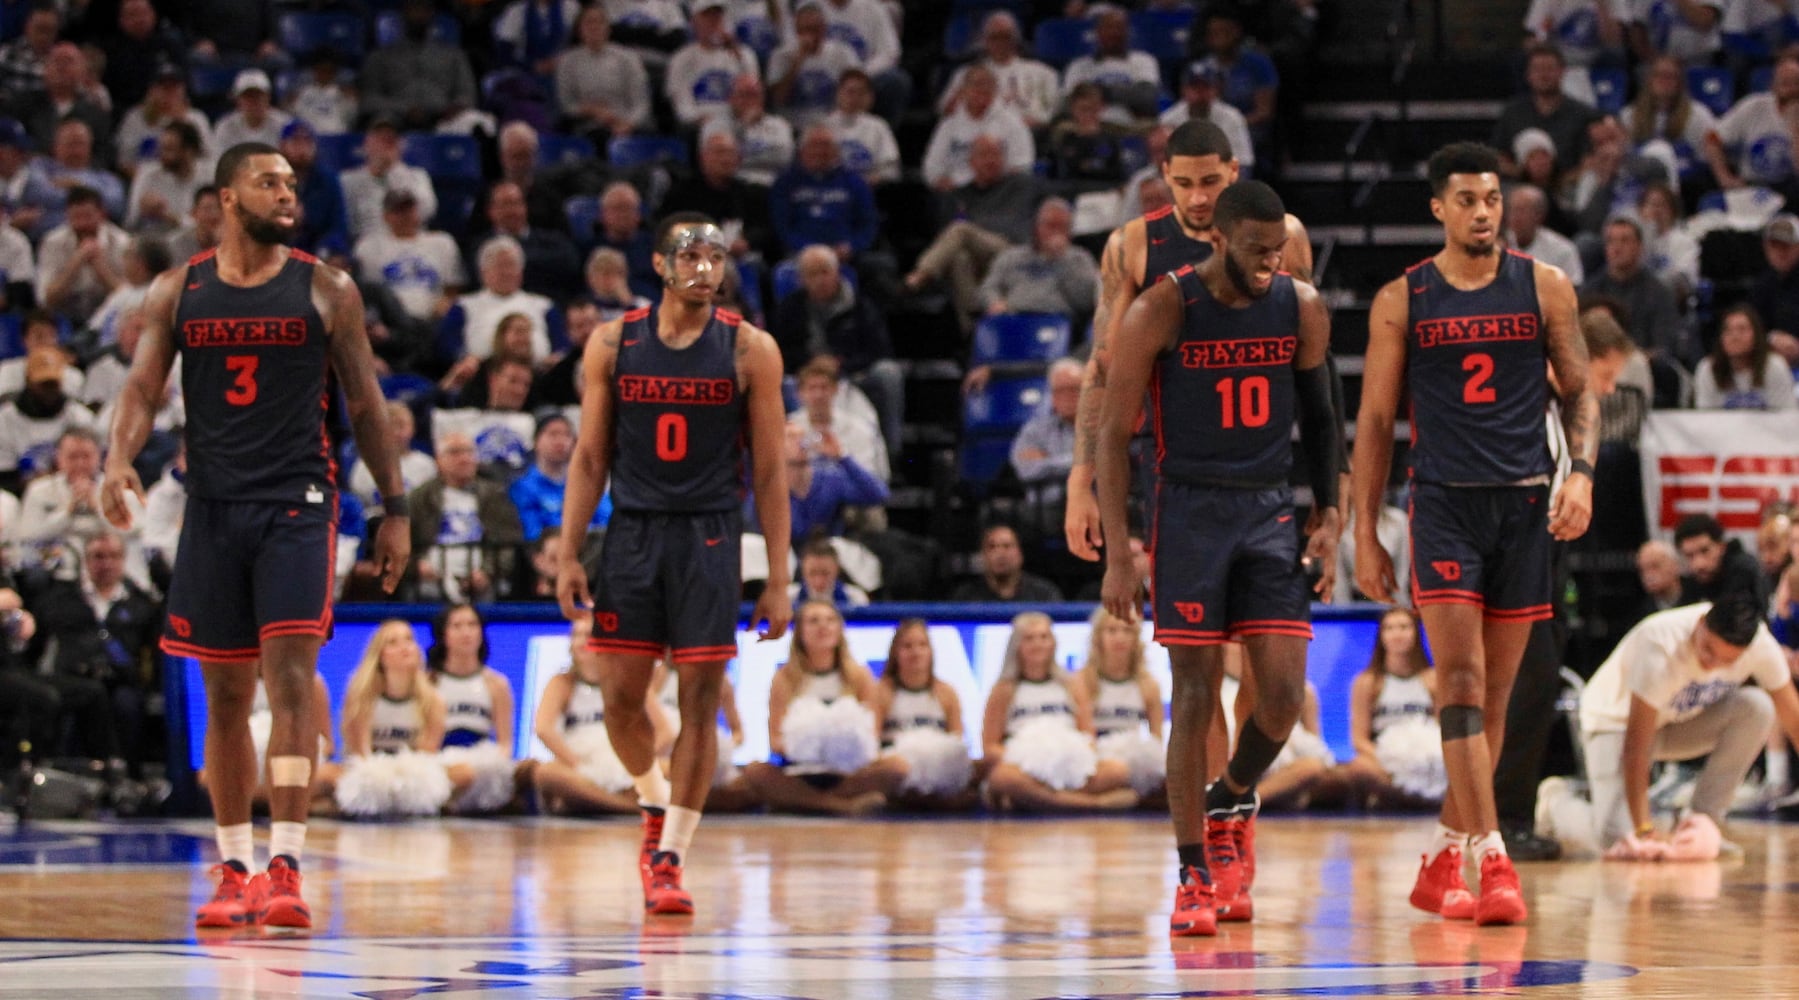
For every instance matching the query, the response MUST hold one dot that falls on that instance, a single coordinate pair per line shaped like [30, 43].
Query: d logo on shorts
[1448, 569]
[1193, 612]
[181, 626]
[607, 621]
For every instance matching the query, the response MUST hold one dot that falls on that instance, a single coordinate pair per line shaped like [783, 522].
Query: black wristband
[395, 506]
[1580, 466]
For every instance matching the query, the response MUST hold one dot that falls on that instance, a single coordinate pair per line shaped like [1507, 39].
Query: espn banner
[1727, 463]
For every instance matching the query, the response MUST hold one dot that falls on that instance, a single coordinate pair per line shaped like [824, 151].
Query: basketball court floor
[893, 909]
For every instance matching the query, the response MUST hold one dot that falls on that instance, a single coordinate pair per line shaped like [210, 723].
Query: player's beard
[265, 231]
[1240, 280]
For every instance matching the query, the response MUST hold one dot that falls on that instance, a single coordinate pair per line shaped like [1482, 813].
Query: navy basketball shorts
[669, 581]
[1487, 546]
[1225, 564]
[250, 570]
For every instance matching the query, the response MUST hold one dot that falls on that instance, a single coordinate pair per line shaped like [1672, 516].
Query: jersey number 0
[671, 437]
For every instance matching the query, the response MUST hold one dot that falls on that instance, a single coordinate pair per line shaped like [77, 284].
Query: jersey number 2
[671, 437]
[1245, 401]
[243, 388]
[1480, 371]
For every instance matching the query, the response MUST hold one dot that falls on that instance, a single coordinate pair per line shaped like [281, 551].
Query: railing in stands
[1390, 134]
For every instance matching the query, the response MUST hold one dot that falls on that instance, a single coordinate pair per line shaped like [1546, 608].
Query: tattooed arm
[1572, 509]
[1117, 287]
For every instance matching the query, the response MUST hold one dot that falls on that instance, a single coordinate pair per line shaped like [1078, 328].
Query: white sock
[652, 788]
[1777, 767]
[236, 844]
[1446, 839]
[677, 830]
[288, 839]
[1488, 843]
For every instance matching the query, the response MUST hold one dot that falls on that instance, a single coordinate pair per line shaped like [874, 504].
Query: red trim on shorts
[206, 654]
[1189, 637]
[631, 646]
[1275, 626]
[1432, 602]
[275, 630]
[704, 654]
[1448, 595]
[1535, 613]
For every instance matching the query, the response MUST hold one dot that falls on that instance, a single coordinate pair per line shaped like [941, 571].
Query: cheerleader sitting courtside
[584, 774]
[1393, 721]
[393, 727]
[821, 722]
[1127, 701]
[324, 773]
[478, 714]
[924, 755]
[1039, 729]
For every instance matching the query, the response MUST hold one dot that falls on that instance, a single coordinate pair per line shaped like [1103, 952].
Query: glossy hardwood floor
[881, 909]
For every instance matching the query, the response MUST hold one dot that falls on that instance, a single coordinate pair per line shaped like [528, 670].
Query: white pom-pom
[421, 787]
[936, 762]
[492, 787]
[839, 736]
[1054, 753]
[599, 762]
[261, 724]
[1141, 753]
[364, 789]
[1303, 744]
[1412, 752]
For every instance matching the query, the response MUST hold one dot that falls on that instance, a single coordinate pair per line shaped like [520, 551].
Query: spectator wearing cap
[1199, 100]
[1526, 212]
[422, 268]
[819, 200]
[865, 141]
[1249, 81]
[1543, 105]
[602, 88]
[764, 141]
[530, 33]
[719, 192]
[382, 171]
[867, 27]
[32, 421]
[701, 73]
[81, 261]
[1775, 293]
[323, 226]
[417, 80]
[1757, 133]
[165, 102]
[164, 188]
[1027, 87]
[323, 101]
[803, 74]
[22, 59]
[61, 100]
[1655, 321]
[552, 263]
[256, 118]
[138, 48]
[947, 160]
[538, 493]
[1129, 78]
[1048, 275]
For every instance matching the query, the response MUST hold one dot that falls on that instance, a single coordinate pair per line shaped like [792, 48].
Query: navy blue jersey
[1223, 395]
[1475, 363]
[679, 443]
[1167, 247]
[253, 364]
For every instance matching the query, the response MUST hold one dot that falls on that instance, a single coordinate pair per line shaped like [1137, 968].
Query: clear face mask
[701, 238]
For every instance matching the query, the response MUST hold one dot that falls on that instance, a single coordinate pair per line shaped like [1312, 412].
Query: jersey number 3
[243, 388]
[1480, 371]
[671, 437]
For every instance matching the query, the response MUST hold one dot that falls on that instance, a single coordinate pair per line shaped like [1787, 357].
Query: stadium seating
[300, 34]
[1712, 87]
[628, 151]
[1061, 40]
[1020, 338]
[1611, 89]
[555, 150]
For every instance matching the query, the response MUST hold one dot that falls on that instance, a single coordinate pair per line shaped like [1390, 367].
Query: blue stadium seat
[1712, 87]
[982, 457]
[1020, 338]
[627, 151]
[1162, 33]
[582, 211]
[1611, 88]
[390, 29]
[555, 149]
[12, 335]
[442, 155]
[211, 81]
[962, 33]
[786, 278]
[339, 151]
[1003, 405]
[1761, 80]
[406, 386]
[301, 34]
[1061, 40]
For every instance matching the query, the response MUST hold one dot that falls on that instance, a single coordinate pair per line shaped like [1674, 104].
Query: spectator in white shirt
[163, 189]
[1027, 86]
[1129, 78]
[1757, 131]
[1526, 209]
[18, 260]
[818, 413]
[1199, 99]
[867, 27]
[256, 118]
[32, 421]
[422, 268]
[324, 101]
[1684, 29]
[764, 141]
[864, 142]
[365, 186]
[803, 75]
[946, 164]
[600, 86]
[1742, 372]
[165, 102]
[82, 260]
[41, 332]
[701, 72]
[501, 262]
[59, 512]
[145, 258]
[416, 467]
[1673, 253]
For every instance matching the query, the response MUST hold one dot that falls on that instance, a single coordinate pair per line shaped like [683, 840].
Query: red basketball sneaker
[1440, 888]
[652, 841]
[1242, 826]
[230, 903]
[1194, 913]
[283, 906]
[1226, 865]
[1501, 898]
[664, 894]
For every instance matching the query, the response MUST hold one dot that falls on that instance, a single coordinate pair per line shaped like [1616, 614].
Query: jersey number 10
[1244, 402]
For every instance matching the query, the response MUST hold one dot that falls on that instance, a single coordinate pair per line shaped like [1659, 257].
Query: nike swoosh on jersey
[1158, 242]
[630, 343]
[713, 541]
[194, 287]
[1420, 290]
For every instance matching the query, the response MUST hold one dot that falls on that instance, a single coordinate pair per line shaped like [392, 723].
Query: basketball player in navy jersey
[674, 394]
[256, 323]
[1468, 331]
[1232, 352]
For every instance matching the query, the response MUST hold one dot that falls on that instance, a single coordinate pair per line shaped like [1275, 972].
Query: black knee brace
[1461, 721]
